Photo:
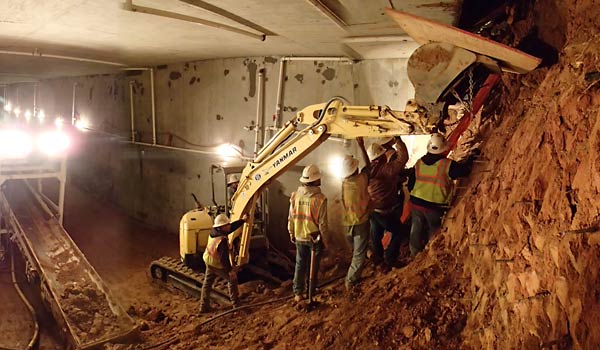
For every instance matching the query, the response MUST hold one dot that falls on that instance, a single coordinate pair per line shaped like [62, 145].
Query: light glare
[53, 143]
[82, 124]
[335, 166]
[15, 144]
[59, 122]
[228, 150]
[8, 107]
[17, 111]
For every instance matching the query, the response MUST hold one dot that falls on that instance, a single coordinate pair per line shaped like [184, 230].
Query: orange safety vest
[355, 200]
[305, 213]
[432, 182]
[211, 255]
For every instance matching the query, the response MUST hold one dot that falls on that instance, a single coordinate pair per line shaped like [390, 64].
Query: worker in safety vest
[355, 217]
[386, 196]
[431, 185]
[307, 222]
[216, 258]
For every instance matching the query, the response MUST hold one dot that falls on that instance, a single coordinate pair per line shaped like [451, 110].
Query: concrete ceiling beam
[224, 13]
[329, 13]
[173, 15]
[37, 53]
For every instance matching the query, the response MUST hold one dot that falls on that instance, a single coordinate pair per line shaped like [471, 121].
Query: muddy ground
[513, 268]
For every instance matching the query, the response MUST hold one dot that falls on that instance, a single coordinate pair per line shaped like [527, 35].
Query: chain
[470, 93]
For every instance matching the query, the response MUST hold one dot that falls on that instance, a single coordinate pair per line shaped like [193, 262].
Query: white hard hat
[385, 140]
[232, 178]
[349, 166]
[310, 173]
[375, 151]
[436, 144]
[221, 220]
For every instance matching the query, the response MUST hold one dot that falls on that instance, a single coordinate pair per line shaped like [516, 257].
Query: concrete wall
[202, 105]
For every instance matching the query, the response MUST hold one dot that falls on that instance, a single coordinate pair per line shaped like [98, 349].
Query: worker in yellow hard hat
[216, 258]
[307, 222]
[431, 187]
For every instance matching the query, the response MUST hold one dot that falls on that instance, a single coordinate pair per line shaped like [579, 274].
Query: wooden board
[424, 31]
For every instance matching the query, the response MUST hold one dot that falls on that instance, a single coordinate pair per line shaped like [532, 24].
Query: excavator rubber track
[174, 272]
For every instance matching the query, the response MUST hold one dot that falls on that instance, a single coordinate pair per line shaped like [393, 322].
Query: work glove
[315, 237]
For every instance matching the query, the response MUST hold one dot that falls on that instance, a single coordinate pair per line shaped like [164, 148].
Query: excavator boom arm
[291, 144]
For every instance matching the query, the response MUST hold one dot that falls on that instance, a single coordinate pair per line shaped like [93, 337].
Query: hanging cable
[174, 338]
[36, 326]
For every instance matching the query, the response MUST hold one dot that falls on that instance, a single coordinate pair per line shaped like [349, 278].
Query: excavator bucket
[425, 31]
[433, 67]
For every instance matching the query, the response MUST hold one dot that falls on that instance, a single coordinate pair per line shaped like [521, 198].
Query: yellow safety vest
[305, 213]
[211, 255]
[355, 200]
[432, 182]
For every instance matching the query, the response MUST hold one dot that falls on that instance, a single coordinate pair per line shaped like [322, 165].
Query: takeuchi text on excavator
[451, 66]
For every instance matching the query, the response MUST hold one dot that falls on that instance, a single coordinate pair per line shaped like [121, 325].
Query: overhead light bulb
[41, 115]
[28, 115]
[228, 150]
[58, 122]
[335, 165]
[17, 111]
[82, 124]
[8, 107]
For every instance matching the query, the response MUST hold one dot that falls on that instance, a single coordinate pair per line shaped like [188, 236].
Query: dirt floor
[513, 268]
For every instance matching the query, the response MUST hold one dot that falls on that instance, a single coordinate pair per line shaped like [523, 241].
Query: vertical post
[259, 113]
[35, 88]
[152, 96]
[61, 194]
[132, 111]
[279, 93]
[73, 105]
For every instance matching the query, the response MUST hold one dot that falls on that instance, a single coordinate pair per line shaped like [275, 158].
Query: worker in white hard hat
[355, 216]
[216, 259]
[307, 222]
[387, 202]
[431, 186]
[233, 180]
[388, 143]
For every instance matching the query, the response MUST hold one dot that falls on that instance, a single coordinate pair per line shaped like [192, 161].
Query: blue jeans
[390, 222]
[358, 236]
[303, 266]
[424, 225]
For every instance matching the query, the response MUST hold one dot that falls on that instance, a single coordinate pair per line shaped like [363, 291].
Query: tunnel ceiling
[105, 30]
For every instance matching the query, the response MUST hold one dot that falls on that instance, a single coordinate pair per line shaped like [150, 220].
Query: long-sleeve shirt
[223, 247]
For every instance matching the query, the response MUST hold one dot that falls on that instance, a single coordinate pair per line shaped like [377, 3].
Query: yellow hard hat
[221, 220]
[310, 173]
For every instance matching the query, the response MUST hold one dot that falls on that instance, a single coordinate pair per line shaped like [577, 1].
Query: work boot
[376, 260]
[204, 309]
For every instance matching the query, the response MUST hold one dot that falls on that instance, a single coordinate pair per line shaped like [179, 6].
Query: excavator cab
[196, 224]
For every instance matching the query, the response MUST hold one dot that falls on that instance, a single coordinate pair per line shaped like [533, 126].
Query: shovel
[313, 257]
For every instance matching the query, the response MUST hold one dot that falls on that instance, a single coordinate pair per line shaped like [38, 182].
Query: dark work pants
[399, 231]
[209, 279]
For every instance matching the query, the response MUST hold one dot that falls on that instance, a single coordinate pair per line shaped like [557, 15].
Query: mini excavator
[450, 66]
